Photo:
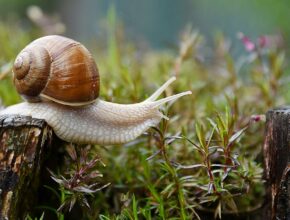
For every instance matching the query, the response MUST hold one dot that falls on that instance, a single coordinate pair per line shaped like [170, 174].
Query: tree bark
[24, 144]
[277, 163]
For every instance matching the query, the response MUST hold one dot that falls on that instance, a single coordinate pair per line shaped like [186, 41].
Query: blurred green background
[159, 22]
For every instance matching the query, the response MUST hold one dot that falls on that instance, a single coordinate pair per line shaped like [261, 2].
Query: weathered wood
[24, 143]
[277, 163]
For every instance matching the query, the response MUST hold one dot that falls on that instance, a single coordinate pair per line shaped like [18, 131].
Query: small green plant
[80, 179]
[222, 181]
[40, 218]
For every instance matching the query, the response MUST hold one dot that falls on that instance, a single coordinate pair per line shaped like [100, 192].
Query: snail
[59, 81]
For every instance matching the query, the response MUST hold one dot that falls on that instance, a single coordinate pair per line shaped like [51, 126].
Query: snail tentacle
[161, 89]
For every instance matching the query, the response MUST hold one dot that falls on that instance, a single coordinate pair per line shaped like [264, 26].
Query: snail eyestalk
[161, 89]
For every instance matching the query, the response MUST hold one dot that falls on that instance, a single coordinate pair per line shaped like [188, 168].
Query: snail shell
[56, 68]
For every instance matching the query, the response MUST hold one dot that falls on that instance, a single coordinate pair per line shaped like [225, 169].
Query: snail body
[85, 119]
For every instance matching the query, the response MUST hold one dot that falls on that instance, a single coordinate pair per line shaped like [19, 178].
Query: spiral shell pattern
[31, 70]
[56, 68]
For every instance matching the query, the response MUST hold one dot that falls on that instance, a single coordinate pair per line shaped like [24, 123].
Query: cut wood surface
[24, 143]
[277, 163]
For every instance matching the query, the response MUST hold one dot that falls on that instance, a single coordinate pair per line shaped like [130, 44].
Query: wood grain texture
[24, 143]
[277, 163]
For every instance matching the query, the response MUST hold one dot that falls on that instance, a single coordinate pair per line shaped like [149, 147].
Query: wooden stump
[277, 163]
[24, 144]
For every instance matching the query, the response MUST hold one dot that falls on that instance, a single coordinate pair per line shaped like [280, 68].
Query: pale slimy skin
[98, 123]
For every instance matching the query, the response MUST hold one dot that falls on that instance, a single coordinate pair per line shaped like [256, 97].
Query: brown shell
[57, 68]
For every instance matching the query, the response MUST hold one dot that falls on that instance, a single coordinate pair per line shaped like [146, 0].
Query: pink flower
[262, 41]
[258, 118]
[248, 44]
[271, 41]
